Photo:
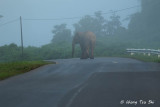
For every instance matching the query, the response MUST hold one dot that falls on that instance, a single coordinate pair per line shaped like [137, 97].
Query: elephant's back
[90, 35]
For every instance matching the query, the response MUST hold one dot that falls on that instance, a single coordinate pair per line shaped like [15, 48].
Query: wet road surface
[102, 82]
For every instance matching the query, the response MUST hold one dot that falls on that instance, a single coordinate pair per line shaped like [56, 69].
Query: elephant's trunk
[73, 46]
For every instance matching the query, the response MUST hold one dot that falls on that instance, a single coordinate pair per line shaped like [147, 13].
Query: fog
[39, 32]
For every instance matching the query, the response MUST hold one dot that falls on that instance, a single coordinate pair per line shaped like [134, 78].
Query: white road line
[114, 62]
[75, 95]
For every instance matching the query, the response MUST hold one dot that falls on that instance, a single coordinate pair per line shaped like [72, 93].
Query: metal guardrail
[144, 51]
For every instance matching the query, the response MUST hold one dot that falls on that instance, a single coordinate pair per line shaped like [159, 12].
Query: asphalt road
[102, 82]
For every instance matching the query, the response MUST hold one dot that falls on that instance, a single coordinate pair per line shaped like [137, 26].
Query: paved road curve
[83, 83]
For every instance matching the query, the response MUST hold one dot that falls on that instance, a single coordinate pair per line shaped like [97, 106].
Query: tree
[113, 25]
[148, 19]
[99, 25]
[100, 22]
[85, 24]
[145, 25]
[61, 34]
[91, 23]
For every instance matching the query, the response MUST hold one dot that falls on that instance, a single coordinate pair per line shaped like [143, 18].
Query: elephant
[87, 42]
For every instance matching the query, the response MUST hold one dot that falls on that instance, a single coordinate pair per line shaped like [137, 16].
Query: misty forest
[112, 39]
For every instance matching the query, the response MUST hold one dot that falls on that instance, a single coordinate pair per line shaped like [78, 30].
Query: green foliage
[14, 68]
[110, 46]
[10, 52]
[61, 33]
[56, 50]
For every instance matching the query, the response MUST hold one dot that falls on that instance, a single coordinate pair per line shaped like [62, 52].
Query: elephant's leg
[83, 52]
[87, 52]
[85, 55]
[92, 52]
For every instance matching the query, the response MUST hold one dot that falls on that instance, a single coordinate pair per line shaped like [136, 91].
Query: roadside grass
[9, 69]
[141, 57]
[145, 58]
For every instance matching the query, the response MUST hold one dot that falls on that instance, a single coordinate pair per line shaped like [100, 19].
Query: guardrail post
[158, 53]
[132, 53]
[149, 54]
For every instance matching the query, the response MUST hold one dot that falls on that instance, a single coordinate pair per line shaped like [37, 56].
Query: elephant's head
[76, 39]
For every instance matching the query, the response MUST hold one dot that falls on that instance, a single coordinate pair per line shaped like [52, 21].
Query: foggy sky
[38, 32]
